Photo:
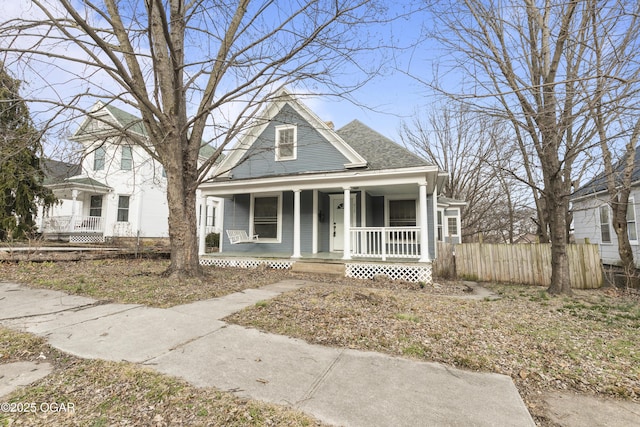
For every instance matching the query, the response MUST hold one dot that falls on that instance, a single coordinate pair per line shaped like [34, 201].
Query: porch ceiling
[374, 182]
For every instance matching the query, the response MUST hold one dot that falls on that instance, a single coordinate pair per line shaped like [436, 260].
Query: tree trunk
[620, 226]
[181, 196]
[557, 206]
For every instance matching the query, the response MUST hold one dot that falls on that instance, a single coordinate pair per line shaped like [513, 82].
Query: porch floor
[321, 257]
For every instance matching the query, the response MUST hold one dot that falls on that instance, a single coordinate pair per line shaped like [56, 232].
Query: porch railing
[69, 224]
[385, 242]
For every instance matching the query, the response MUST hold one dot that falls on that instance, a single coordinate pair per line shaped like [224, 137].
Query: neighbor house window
[286, 142]
[605, 231]
[98, 159]
[126, 161]
[266, 217]
[632, 232]
[452, 226]
[95, 208]
[123, 208]
[402, 213]
[440, 233]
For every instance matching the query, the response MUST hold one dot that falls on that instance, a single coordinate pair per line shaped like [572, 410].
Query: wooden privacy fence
[524, 263]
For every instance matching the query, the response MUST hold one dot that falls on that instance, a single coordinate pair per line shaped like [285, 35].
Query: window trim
[631, 204]
[294, 154]
[278, 238]
[99, 161]
[128, 208]
[129, 158]
[401, 198]
[606, 209]
[93, 208]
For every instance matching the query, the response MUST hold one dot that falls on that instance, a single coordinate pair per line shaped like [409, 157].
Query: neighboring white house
[592, 217]
[118, 190]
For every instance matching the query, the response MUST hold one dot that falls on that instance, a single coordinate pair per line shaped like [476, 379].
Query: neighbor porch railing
[385, 242]
[70, 224]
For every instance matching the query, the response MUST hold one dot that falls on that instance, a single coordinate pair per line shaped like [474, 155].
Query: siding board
[314, 152]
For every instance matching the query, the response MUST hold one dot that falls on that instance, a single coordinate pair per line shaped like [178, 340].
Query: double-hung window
[605, 224]
[632, 232]
[286, 142]
[123, 208]
[98, 158]
[452, 226]
[402, 213]
[95, 208]
[126, 160]
[267, 217]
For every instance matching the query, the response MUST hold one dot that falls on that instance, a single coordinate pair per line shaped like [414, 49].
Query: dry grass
[104, 393]
[587, 343]
[134, 281]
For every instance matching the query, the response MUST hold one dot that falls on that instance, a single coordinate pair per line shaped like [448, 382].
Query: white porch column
[347, 225]
[314, 232]
[296, 224]
[74, 197]
[435, 219]
[424, 227]
[203, 226]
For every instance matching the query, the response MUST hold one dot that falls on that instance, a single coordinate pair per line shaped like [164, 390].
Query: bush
[212, 240]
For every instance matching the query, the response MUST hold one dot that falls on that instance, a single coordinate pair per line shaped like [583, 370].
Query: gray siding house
[296, 188]
[592, 216]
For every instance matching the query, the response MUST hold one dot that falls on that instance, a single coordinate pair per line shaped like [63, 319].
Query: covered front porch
[79, 217]
[357, 217]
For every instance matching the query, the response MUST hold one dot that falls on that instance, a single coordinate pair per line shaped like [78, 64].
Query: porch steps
[318, 267]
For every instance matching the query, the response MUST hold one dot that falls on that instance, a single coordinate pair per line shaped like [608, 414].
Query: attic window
[286, 142]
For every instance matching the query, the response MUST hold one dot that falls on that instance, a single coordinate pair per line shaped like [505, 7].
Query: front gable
[310, 144]
[310, 150]
[105, 121]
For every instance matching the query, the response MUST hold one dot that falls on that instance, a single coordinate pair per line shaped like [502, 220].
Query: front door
[337, 221]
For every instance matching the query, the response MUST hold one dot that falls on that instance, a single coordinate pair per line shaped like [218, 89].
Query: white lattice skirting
[276, 264]
[91, 238]
[409, 273]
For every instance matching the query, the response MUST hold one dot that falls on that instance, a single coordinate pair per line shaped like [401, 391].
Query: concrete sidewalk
[338, 386]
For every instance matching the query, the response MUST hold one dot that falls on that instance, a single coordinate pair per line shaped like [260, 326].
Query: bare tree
[197, 72]
[473, 148]
[614, 109]
[529, 62]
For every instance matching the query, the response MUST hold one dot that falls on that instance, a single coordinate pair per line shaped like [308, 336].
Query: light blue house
[294, 188]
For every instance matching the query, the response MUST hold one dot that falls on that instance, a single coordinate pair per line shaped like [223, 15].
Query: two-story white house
[118, 190]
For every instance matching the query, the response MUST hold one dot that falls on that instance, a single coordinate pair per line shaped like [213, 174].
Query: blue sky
[383, 102]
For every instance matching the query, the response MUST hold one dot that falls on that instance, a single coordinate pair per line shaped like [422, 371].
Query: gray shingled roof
[127, 120]
[56, 171]
[379, 151]
[87, 181]
[599, 183]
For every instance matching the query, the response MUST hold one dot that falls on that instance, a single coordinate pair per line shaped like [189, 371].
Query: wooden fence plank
[524, 263]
